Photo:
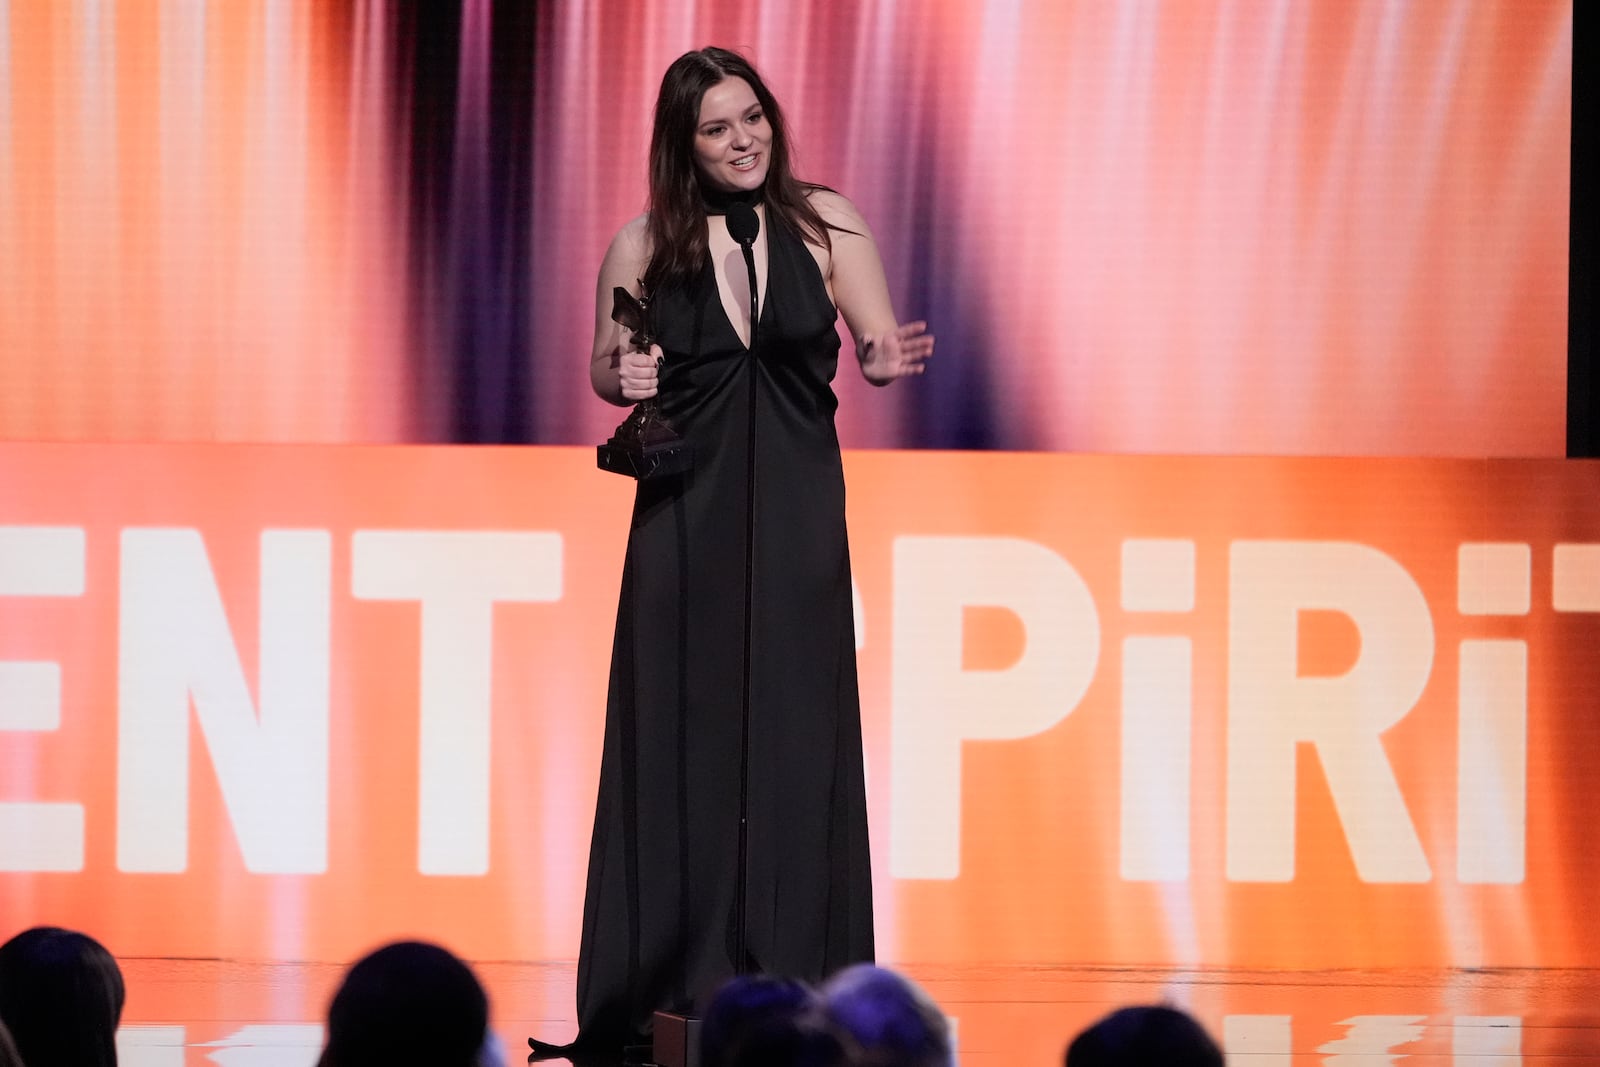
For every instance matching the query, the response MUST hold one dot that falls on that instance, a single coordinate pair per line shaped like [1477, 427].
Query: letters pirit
[197, 711]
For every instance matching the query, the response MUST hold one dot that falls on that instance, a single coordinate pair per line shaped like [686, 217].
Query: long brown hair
[677, 218]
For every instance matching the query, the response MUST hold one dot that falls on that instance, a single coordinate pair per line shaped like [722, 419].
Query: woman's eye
[713, 131]
[754, 117]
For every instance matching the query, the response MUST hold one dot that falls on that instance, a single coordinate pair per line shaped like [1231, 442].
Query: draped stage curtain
[1221, 226]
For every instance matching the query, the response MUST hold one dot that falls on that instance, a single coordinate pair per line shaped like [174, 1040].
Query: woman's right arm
[620, 373]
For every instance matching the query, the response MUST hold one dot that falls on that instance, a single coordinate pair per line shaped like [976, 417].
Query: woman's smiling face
[733, 140]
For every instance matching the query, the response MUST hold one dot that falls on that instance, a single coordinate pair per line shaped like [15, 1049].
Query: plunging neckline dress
[658, 926]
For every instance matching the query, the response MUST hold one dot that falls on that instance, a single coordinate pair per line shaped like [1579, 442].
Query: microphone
[743, 223]
[743, 226]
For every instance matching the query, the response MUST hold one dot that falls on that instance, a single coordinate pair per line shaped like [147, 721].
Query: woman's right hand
[639, 372]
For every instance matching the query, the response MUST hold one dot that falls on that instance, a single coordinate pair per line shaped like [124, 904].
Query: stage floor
[240, 1014]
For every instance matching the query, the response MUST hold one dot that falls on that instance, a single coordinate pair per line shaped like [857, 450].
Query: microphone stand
[743, 226]
[676, 1038]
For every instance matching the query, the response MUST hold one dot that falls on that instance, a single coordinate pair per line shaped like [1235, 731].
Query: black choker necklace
[717, 201]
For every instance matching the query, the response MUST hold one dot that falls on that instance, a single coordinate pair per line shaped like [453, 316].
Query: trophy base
[644, 461]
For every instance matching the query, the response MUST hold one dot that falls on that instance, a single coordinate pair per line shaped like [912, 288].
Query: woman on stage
[735, 639]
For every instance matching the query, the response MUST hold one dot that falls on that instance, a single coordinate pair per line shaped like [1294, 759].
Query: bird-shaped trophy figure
[645, 444]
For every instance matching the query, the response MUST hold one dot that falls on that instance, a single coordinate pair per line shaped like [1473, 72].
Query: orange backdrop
[1210, 227]
[1256, 712]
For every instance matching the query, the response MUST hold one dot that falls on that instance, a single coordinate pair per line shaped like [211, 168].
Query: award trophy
[645, 444]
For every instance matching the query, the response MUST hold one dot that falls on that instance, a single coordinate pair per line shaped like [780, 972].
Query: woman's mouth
[744, 162]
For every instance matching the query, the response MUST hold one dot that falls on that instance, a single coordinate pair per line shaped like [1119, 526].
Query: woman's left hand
[901, 352]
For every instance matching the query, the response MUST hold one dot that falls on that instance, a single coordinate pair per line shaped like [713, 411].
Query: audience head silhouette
[409, 1002]
[1137, 1036]
[763, 1021]
[9, 1056]
[885, 1020]
[61, 996]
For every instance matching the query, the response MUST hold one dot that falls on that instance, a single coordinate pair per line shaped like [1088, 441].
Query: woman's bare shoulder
[629, 250]
[835, 208]
[634, 236]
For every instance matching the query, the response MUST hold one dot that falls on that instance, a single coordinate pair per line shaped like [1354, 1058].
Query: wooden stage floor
[186, 1013]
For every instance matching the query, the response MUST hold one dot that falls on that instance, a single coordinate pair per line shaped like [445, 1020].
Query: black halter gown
[658, 924]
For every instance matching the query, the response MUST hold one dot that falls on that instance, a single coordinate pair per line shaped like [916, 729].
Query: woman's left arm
[885, 348]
